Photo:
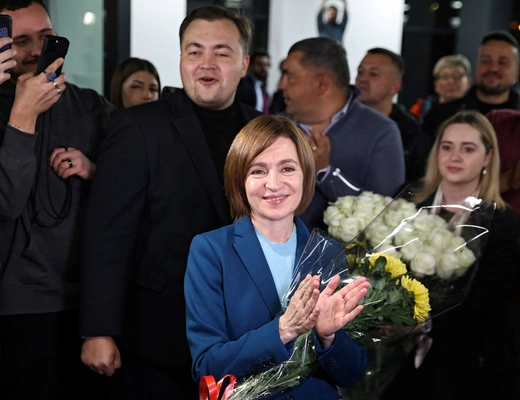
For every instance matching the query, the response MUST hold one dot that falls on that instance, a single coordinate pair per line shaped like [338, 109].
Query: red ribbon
[209, 389]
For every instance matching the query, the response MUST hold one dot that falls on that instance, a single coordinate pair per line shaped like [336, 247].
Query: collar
[353, 93]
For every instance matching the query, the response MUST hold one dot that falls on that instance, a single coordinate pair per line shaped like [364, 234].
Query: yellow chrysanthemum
[394, 266]
[421, 296]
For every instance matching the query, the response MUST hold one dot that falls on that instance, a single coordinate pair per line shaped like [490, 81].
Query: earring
[484, 171]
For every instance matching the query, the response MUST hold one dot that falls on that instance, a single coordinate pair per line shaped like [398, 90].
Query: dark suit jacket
[246, 92]
[232, 315]
[156, 187]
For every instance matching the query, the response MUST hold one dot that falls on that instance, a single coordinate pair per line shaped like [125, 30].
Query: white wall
[371, 23]
[154, 30]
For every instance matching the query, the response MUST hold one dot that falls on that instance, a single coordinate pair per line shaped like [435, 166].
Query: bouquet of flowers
[439, 253]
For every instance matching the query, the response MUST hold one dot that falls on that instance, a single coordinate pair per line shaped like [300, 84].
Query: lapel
[188, 126]
[250, 252]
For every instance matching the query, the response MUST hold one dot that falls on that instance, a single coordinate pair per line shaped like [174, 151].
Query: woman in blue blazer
[237, 275]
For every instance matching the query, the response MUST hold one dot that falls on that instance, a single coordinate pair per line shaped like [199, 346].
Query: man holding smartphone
[158, 184]
[50, 134]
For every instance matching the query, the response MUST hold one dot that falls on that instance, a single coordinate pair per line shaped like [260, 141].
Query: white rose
[332, 216]
[348, 229]
[411, 249]
[466, 258]
[407, 208]
[423, 264]
[447, 265]
[392, 218]
[378, 233]
[456, 243]
[438, 222]
[440, 238]
[347, 204]
[404, 235]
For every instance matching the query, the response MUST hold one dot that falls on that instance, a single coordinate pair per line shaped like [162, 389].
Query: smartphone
[6, 29]
[167, 90]
[53, 48]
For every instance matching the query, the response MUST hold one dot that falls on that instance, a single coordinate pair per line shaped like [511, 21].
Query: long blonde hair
[489, 182]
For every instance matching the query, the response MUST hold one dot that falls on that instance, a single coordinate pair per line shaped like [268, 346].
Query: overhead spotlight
[457, 5]
[89, 18]
[455, 22]
[407, 7]
[434, 6]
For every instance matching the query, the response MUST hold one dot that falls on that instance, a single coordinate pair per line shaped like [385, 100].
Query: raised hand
[34, 95]
[320, 145]
[336, 309]
[301, 314]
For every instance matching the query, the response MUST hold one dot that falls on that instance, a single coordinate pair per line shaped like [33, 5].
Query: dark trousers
[40, 360]
[147, 380]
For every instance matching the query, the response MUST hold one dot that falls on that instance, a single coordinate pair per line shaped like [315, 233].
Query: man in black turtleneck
[158, 184]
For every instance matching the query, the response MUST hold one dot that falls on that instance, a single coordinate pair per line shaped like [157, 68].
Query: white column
[154, 35]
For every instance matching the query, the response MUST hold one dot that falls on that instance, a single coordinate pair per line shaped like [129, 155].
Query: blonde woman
[471, 354]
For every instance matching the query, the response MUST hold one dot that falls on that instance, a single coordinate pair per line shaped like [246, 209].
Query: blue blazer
[232, 311]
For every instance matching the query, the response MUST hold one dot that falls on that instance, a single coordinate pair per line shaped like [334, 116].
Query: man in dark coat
[159, 183]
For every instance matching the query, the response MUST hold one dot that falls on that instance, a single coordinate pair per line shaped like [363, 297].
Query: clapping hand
[336, 309]
[302, 313]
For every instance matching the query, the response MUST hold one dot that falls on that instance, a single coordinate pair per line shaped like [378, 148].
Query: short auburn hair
[251, 141]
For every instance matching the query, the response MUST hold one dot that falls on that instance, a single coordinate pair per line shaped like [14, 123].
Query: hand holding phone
[6, 53]
[54, 47]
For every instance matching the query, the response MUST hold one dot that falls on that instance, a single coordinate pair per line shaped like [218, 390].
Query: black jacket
[416, 144]
[441, 112]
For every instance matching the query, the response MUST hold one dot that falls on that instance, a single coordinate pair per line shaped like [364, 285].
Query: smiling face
[497, 67]
[139, 88]
[462, 156]
[30, 26]
[274, 184]
[212, 62]
[451, 83]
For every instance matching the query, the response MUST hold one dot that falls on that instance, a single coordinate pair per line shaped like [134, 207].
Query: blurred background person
[452, 79]
[277, 101]
[251, 89]
[135, 81]
[330, 23]
[379, 78]
[507, 126]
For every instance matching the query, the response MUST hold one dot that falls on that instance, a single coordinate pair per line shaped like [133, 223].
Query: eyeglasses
[457, 76]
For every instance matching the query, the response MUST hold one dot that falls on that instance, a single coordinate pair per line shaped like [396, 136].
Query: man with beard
[496, 73]
[50, 134]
